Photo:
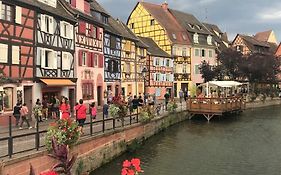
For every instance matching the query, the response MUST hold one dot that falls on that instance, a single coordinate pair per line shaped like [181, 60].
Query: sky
[232, 16]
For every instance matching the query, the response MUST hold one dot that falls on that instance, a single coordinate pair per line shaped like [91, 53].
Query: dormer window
[132, 25]
[199, 27]
[196, 38]
[191, 26]
[52, 3]
[209, 40]
[174, 36]
[152, 22]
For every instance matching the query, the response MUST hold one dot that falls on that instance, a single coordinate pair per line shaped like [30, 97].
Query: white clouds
[271, 13]
[207, 1]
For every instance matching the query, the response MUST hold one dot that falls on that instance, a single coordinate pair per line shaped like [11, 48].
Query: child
[93, 110]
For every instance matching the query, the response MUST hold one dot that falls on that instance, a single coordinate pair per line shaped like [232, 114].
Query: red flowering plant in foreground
[131, 167]
[49, 173]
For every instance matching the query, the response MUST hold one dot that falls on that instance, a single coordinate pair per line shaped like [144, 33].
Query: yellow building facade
[155, 22]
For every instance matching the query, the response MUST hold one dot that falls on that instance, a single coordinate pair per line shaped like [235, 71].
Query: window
[94, 32]
[104, 19]
[87, 91]
[184, 68]
[96, 57]
[128, 68]
[184, 37]
[15, 54]
[7, 12]
[112, 42]
[197, 52]
[47, 24]
[152, 22]
[239, 48]
[8, 99]
[84, 59]
[168, 63]
[156, 61]
[115, 66]
[199, 27]
[203, 54]
[209, 40]
[196, 38]
[66, 30]
[66, 61]
[157, 77]
[196, 69]
[48, 58]
[174, 50]
[141, 52]
[184, 52]
[4, 53]
[210, 53]
[132, 26]
[52, 3]
[191, 26]
[174, 36]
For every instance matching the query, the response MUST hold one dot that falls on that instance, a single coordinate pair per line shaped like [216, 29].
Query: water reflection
[244, 145]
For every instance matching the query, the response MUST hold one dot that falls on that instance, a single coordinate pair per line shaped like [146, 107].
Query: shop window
[87, 91]
[7, 12]
[7, 100]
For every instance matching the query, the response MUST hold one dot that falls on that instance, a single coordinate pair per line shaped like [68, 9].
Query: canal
[249, 144]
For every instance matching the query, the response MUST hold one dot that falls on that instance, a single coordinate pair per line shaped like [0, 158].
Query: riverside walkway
[17, 143]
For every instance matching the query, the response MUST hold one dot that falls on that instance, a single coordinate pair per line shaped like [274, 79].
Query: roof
[219, 39]
[263, 36]
[278, 50]
[122, 29]
[168, 22]
[153, 49]
[110, 27]
[97, 7]
[62, 9]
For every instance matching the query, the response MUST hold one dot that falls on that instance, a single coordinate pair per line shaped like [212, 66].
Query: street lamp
[144, 71]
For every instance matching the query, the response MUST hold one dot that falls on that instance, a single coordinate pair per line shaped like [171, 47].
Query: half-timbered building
[17, 27]
[89, 50]
[55, 47]
[160, 67]
[156, 22]
[112, 58]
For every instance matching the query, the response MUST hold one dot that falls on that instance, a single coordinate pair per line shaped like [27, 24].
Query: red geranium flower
[126, 164]
[131, 167]
[49, 173]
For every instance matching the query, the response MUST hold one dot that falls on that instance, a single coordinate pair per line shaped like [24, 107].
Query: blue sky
[232, 16]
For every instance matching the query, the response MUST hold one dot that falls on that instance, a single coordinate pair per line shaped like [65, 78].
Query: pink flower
[124, 171]
[131, 172]
[49, 173]
[126, 164]
[135, 162]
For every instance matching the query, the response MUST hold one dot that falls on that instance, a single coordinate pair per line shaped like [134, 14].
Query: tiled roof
[278, 50]
[263, 36]
[97, 7]
[153, 48]
[123, 30]
[62, 10]
[168, 22]
[110, 27]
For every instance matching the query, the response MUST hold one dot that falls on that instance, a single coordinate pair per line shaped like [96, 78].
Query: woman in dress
[65, 109]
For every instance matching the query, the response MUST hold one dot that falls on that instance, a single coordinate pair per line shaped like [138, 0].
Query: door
[184, 87]
[175, 89]
[99, 93]
[28, 97]
[116, 90]
[71, 95]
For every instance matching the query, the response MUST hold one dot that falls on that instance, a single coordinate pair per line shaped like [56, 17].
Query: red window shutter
[89, 59]
[86, 7]
[80, 57]
[73, 3]
[91, 29]
[82, 27]
[93, 59]
[98, 33]
[100, 61]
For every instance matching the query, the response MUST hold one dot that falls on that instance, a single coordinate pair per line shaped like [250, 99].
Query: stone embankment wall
[260, 104]
[95, 151]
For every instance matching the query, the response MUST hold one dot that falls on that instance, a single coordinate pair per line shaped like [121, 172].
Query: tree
[208, 74]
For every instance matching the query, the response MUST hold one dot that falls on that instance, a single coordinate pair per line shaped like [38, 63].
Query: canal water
[249, 144]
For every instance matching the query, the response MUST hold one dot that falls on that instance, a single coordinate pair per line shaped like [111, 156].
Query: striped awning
[57, 82]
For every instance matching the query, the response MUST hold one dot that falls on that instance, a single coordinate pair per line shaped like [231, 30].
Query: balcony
[182, 77]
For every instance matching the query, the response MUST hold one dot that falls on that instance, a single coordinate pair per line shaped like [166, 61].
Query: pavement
[21, 144]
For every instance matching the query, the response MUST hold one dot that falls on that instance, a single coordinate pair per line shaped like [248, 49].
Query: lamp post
[144, 72]
[2, 98]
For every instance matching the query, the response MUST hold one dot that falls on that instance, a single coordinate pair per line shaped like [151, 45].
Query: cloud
[271, 14]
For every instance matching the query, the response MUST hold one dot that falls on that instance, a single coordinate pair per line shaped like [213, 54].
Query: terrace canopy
[221, 86]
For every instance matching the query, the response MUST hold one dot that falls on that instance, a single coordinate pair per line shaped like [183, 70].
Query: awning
[57, 82]
[222, 83]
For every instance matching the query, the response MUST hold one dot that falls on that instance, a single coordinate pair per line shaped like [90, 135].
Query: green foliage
[80, 167]
[135, 145]
[113, 110]
[172, 106]
[64, 132]
[147, 114]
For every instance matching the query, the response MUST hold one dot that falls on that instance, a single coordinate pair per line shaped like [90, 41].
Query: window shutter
[82, 27]
[154, 76]
[54, 60]
[61, 29]
[154, 61]
[80, 57]
[164, 62]
[18, 15]
[43, 25]
[4, 53]
[164, 77]
[43, 57]
[71, 34]
[91, 30]
[100, 63]
[89, 59]
[51, 22]
[73, 3]
[1, 9]
[15, 54]
[171, 77]
[93, 59]
[98, 32]
[171, 63]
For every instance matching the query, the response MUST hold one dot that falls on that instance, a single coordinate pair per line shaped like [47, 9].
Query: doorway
[99, 94]
[175, 89]
[116, 90]
[28, 97]
[71, 95]
[184, 87]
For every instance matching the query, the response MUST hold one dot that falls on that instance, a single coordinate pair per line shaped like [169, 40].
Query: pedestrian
[45, 108]
[140, 101]
[75, 115]
[181, 94]
[24, 116]
[64, 109]
[129, 101]
[57, 107]
[81, 112]
[145, 97]
[167, 98]
[150, 100]
[37, 112]
[105, 109]
[16, 113]
[135, 103]
[93, 111]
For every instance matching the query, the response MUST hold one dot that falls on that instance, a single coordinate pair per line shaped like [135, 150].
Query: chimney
[165, 6]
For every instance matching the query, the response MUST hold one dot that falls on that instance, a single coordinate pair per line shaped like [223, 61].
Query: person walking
[37, 112]
[167, 98]
[181, 94]
[24, 116]
[64, 109]
[45, 108]
[141, 103]
[93, 111]
[81, 112]
[105, 109]
[135, 103]
[16, 113]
